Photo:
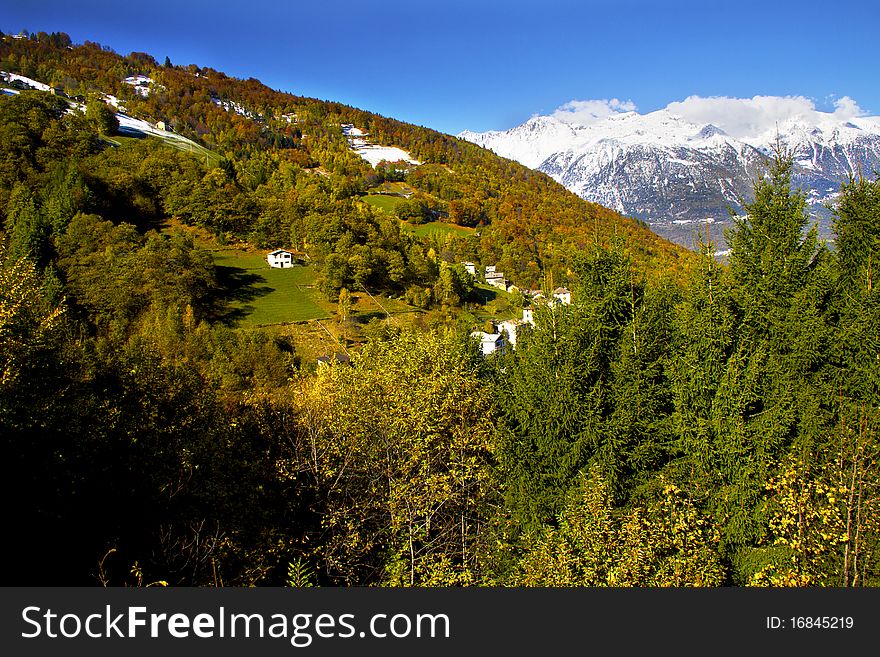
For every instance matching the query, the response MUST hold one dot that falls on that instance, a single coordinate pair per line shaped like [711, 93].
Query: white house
[490, 269]
[510, 327]
[563, 294]
[528, 315]
[470, 268]
[496, 279]
[490, 343]
[280, 258]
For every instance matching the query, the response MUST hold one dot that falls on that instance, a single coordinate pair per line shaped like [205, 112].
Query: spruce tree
[773, 397]
[855, 451]
[772, 250]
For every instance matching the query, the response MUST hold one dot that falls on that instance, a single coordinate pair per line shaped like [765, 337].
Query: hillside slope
[528, 223]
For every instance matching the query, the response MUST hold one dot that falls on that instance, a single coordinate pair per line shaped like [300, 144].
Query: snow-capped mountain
[681, 167]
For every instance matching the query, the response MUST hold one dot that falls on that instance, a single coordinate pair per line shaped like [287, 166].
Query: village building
[495, 278]
[510, 328]
[563, 295]
[470, 268]
[490, 343]
[497, 281]
[280, 258]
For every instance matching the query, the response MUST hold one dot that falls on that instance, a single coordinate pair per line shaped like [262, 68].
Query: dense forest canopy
[681, 423]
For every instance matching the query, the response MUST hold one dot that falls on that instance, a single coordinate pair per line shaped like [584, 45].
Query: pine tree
[857, 233]
[772, 250]
[857, 378]
[774, 395]
[28, 227]
[548, 392]
[557, 392]
[703, 339]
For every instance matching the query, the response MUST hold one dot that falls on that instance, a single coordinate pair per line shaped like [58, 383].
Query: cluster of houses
[504, 334]
[493, 277]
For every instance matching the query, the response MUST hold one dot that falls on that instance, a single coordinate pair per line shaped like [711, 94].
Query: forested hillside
[286, 162]
[682, 422]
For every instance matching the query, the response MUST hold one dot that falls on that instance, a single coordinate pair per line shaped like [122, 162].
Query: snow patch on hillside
[9, 78]
[141, 84]
[232, 106]
[374, 153]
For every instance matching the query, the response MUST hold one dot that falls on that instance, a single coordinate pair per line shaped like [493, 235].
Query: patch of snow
[350, 131]
[13, 77]
[114, 101]
[141, 84]
[138, 79]
[374, 153]
[232, 106]
[130, 123]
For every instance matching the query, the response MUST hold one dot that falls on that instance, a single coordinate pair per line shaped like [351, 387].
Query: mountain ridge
[677, 172]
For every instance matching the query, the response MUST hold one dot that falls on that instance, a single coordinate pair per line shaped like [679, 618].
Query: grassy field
[263, 295]
[493, 304]
[283, 302]
[328, 336]
[388, 196]
[384, 202]
[438, 229]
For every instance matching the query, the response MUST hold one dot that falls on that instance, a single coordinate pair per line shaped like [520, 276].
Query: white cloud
[746, 119]
[846, 108]
[743, 117]
[586, 112]
[750, 117]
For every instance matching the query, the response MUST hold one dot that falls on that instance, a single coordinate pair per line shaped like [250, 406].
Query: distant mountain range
[681, 167]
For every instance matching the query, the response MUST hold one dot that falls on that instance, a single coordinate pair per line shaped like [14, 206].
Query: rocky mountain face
[681, 175]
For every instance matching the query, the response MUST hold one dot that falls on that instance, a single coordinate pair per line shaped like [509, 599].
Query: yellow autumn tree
[667, 542]
[25, 319]
[400, 443]
[806, 525]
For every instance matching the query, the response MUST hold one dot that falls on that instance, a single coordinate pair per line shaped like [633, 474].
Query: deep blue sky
[491, 64]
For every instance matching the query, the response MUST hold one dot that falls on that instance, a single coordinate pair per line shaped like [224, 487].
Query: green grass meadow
[384, 202]
[264, 295]
[438, 229]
